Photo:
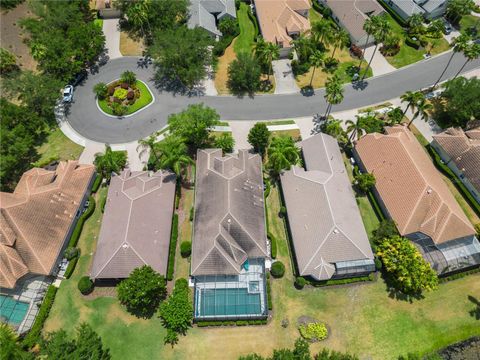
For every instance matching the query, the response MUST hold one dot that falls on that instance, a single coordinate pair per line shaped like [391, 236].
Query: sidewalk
[111, 30]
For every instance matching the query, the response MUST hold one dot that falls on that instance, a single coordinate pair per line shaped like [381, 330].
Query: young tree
[333, 93]
[415, 25]
[410, 273]
[282, 154]
[244, 75]
[422, 108]
[225, 141]
[11, 348]
[370, 123]
[193, 125]
[394, 116]
[316, 60]
[334, 128]
[177, 312]
[110, 162]
[259, 138]
[228, 26]
[382, 30]
[181, 56]
[128, 77]
[101, 90]
[365, 182]
[142, 291]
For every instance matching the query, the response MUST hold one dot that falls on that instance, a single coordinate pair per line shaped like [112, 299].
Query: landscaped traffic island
[124, 96]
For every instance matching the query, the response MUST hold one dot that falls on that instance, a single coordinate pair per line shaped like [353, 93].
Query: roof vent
[429, 191]
[335, 231]
[125, 246]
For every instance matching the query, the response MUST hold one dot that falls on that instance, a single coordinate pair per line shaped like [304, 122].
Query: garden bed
[130, 98]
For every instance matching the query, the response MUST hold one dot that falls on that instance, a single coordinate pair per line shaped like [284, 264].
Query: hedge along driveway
[146, 97]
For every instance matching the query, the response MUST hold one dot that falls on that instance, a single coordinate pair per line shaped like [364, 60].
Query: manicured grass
[244, 42]
[314, 15]
[376, 107]
[294, 133]
[279, 122]
[144, 99]
[469, 21]
[182, 265]
[57, 147]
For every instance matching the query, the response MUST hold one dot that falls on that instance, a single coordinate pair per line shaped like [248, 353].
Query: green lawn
[470, 21]
[57, 147]
[144, 99]
[244, 42]
[279, 122]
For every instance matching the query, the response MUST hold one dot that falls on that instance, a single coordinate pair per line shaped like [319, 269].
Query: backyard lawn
[363, 318]
[57, 147]
[246, 38]
[470, 21]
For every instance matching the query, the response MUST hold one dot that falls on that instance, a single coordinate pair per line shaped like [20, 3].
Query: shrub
[269, 293]
[102, 204]
[300, 68]
[186, 248]
[128, 77]
[173, 246]
[33, 336]
[124, 86]
[283, 211]
[278, 269]
[192, 212]
[120, 93]
[78, 228]
[101, 90]
[71, 253]
[300, 282]
[97, 183]
[273, 245]
[314, 331]
[70, 268]
[118, 109]
[412, 43]
[356, 51]
[111, 90]
[85, 285]
[130, 95]
[378, 263]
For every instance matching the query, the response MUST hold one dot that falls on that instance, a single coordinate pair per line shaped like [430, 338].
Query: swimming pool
[228, 302]
[12, 311]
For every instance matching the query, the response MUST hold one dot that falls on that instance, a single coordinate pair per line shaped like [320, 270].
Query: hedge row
[269, 293]
[221, 45]
[33, 336]
[173, 247]
[232, 323]
[370, 277]
[322, 9]
[273, 245]
[393, 13]
[71, 267]
[253, 19]
[437, 160]
[459, 275]
[412, 43]
[78, 228]
[97, 183]
[376, 208]
[102, 204]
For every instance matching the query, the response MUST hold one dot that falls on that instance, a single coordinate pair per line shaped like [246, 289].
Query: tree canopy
[171, 153]
[244, 75]
[365, 182]
[259, 138]
[282, 154]
[142, 291]
[11, 348]
[110, 162]
[225, 141]
[181, 57]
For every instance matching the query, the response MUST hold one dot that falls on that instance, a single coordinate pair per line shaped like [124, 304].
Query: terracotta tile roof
[229, 224]
[464, 150]
[412, 189]
[322, 212]
[36, 218]
[136, 225]
[279, 17]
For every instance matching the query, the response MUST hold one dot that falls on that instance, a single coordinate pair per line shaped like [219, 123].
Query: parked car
[447, 28]
[68, 94]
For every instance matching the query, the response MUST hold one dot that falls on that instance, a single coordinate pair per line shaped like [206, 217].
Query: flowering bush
[313, 331]
[120, 93]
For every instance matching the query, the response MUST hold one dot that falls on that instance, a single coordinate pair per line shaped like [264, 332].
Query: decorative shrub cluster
[314, 331]
[186, 248]
[278, 269]
[300, 282]
[78, 228]
[85, 285]
[120, 93]
[173, 246]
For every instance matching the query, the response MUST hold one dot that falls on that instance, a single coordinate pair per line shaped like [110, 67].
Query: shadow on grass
[475, 312]
[394, 293]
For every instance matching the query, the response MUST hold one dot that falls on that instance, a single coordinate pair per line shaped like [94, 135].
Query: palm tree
[321, 30]
[472, 52]
[259, 49]
[458, 8]
[355, 128]
[460, 44]
[149, 144]
[422, 107]
[128, 77]
[333, 93]
[369, 26]
[110, 162]
[411, 98]
[394, 116]
[340, 39]
[382, 30]
[11, 347]
[303, 46]
[316, 60]
[272, 52]
[415, 24]
[282, 154]
[173, 155]
[137, 16]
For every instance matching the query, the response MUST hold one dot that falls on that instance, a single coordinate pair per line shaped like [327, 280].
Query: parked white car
[68, 94]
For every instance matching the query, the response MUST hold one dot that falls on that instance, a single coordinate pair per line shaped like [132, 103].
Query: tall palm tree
[369, 26]
[173, 155]
[272, 52]
[411, 98]
[422, 107]
[382, 30]
[333, 93]
[460, 44]
[282, 153]
[110, 162]
[340, 39]
[472, 52]
[303, 46]
[320, 30]
[11, 347]
[415, 24]
[316, 60]
[355, 128]
[148, 144]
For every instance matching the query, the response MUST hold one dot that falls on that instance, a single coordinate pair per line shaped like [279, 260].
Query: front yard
[57, 147]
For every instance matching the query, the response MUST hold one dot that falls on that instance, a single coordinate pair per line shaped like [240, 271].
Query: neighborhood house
[327, 232]
[412, 193]
[208, 13]
[136, 225]
[229, 249]
[430, 9]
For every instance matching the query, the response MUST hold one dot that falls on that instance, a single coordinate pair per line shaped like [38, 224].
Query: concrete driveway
[284, 79]
[379, 65]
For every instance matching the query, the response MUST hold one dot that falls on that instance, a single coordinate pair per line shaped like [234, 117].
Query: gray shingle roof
[229, 224]
[408, 7]
[136, 225]
[203, 13]
[323, 215]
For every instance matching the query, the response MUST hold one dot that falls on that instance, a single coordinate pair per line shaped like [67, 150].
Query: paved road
[88, 121]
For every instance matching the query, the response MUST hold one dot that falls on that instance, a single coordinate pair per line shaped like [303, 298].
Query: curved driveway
[88, 121]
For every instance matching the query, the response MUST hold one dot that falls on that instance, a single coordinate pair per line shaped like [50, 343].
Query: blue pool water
[228, 302]
[12, 311]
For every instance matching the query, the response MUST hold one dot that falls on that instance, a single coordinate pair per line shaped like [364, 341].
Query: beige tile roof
[322, 212]
[464, 150]
[353, 13]
[136, 225]
[279, 17]
[412, 189]
[36, 218]
[229, 224]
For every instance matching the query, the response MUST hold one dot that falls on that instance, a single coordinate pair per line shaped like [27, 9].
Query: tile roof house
[136, 225]
[229, 245]
[281, 21]
[327, 231]
[351, 15]
[460, 150]
[208, 13]
[428, 8]
[412, 193]
[36, 220]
